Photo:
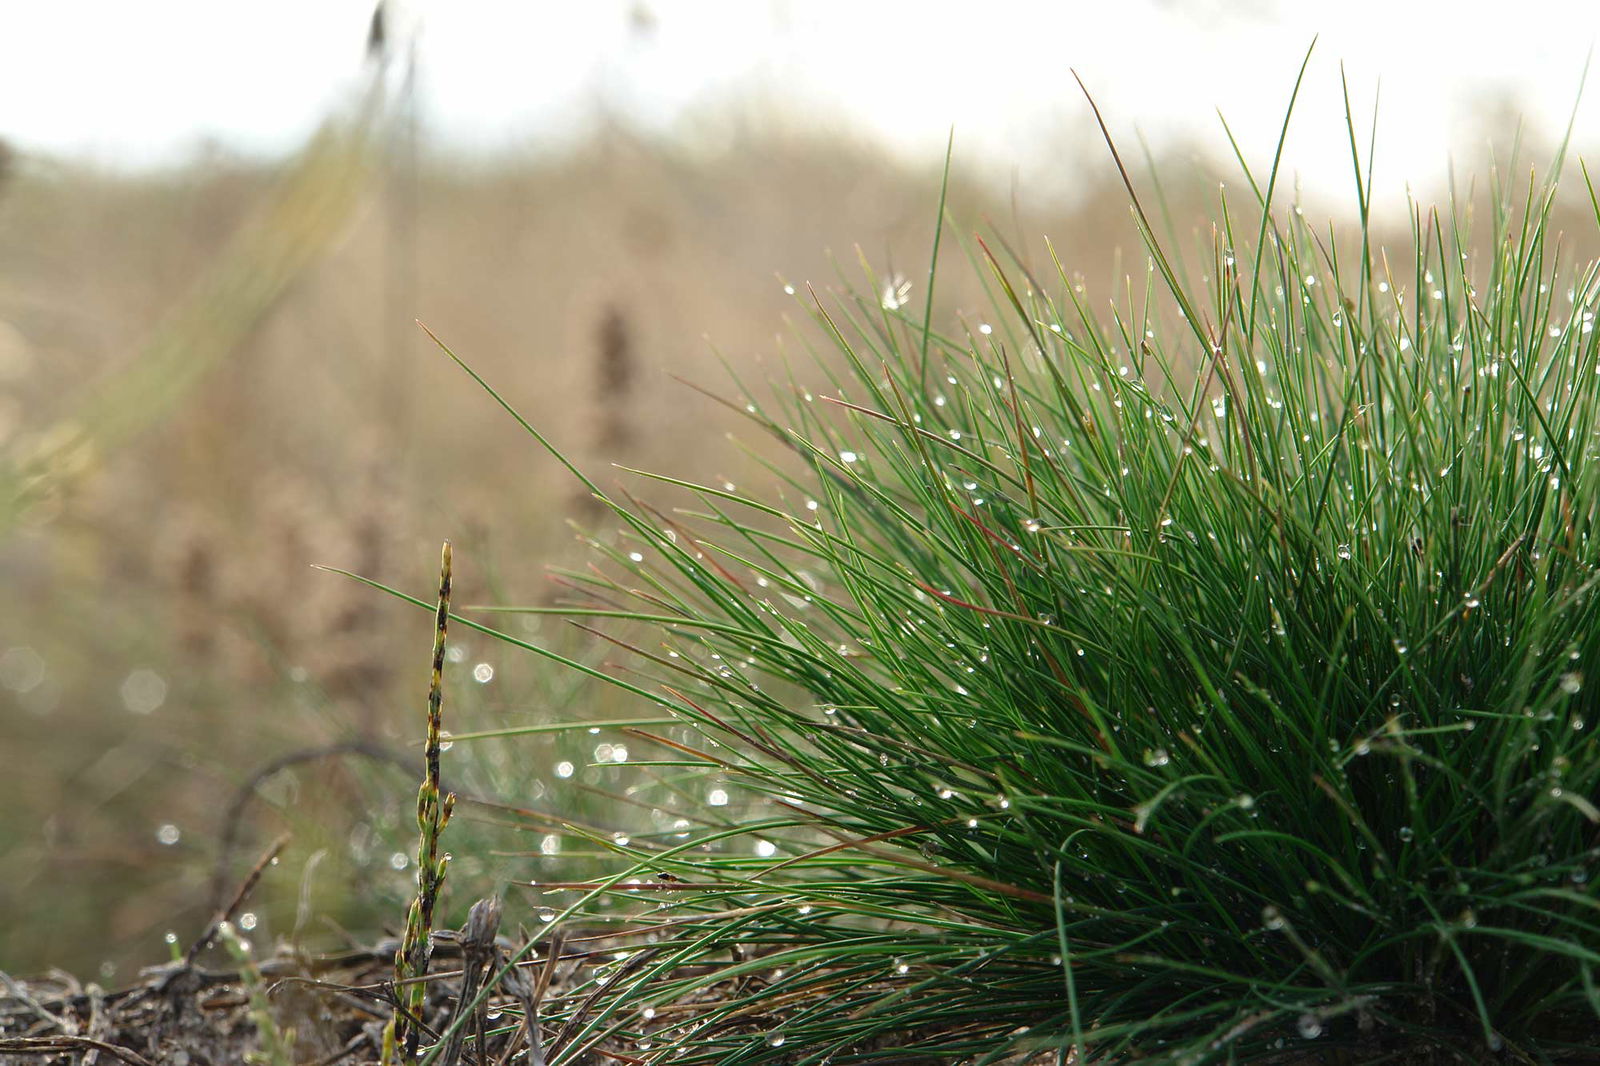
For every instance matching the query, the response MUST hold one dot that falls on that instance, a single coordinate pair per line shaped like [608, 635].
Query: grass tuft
[1204, 681]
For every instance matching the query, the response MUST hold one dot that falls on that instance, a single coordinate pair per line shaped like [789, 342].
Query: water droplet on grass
[895, 294]
[21, 669]
[143, 691]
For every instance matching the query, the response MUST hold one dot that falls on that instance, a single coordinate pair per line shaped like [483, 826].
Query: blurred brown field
[209, 381]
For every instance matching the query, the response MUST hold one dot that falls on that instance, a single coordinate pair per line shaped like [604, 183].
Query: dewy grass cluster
[1209, 681]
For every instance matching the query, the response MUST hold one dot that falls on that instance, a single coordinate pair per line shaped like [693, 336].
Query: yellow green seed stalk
[401, 1036]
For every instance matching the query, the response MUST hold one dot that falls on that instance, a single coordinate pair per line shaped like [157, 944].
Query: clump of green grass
[1205, 681]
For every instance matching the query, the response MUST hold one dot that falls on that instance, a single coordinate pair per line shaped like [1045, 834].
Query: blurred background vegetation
[209, 381]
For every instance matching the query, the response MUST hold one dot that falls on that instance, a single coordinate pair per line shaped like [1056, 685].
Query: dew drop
[22, 669]
[143, 691]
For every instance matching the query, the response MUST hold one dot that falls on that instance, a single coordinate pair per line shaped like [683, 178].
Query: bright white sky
[141, 83]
